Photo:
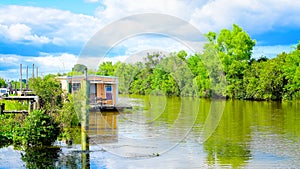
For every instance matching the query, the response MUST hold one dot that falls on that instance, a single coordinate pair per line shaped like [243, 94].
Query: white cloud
[18, 31]
[121, 8]
[257, 16]
[61, 63]
[46, 63]
[21, 32]
[46, 25]
[137, 44]
[8, 59]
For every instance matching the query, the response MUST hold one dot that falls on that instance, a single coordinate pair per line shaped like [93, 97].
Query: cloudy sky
[52, 33]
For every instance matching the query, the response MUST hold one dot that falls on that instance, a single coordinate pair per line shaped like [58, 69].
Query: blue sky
[51, 34]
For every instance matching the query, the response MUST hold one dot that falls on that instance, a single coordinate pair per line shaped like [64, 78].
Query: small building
[103, 89]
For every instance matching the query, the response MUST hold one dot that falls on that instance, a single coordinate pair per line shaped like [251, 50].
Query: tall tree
[79, 68]
[49, 90]
[2, 82]
[292, 73]
[234, 48]
[106, 69]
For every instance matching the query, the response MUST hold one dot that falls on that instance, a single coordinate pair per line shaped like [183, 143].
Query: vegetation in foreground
[55, 119]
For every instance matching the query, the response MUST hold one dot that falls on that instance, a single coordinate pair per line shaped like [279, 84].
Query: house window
[75, 87]
[108, 92]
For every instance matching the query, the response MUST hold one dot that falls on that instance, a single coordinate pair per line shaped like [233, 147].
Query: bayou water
[179, 132]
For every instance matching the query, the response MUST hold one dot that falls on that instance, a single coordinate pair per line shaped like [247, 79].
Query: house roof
[91, 78]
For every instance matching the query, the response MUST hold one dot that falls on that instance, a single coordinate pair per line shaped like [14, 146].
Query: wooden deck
[20, 98]
[33, 104]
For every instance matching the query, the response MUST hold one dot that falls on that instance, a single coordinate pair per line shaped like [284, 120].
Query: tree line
[225, 68]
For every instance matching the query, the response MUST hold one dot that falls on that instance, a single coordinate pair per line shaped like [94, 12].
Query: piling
[85, 113]
[85, 160]
[29, 106]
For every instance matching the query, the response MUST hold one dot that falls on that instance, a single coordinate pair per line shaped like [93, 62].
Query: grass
[14, 105]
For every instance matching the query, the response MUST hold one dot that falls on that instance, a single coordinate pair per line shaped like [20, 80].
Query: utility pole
[37, 72]
[21, 78]
[33, 70]
[27, 78]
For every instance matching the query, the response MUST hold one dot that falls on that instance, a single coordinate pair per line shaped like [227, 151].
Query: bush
[38, 129]
[68, 119]
[9, 123]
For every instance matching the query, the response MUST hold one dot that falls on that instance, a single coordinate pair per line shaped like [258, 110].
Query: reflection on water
[103, 127]
[248, 134]
[41, 157]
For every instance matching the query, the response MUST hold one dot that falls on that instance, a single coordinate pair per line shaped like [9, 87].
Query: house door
[93, 90]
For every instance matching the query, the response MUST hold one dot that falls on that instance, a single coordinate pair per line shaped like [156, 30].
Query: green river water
[174, 132]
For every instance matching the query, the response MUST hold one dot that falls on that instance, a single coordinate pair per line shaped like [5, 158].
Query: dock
[102, 108]
[31, 100]
[15, 111]
[21, 98]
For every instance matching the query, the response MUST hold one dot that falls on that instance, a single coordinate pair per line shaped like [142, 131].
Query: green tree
[265, 80]
[2, 82]
[79, 68]
[125, 73]
[234, 48]
[17, 84]
[182, 55]
[106, 69]
[38, 129]
[49, 91]
[67, 118]
[201, 72]
[291, 69]
[215, 70]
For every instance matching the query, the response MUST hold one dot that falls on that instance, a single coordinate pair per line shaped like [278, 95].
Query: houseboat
[103, 89]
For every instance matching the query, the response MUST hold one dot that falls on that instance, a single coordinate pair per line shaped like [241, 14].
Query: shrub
[9, 123]
[38, 129]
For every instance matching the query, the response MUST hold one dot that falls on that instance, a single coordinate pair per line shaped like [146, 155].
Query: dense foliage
[38, 129]
[7, 128]
[41, 127]
[224, 69]
[2, 83]
[52, 102]
[49, 91]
